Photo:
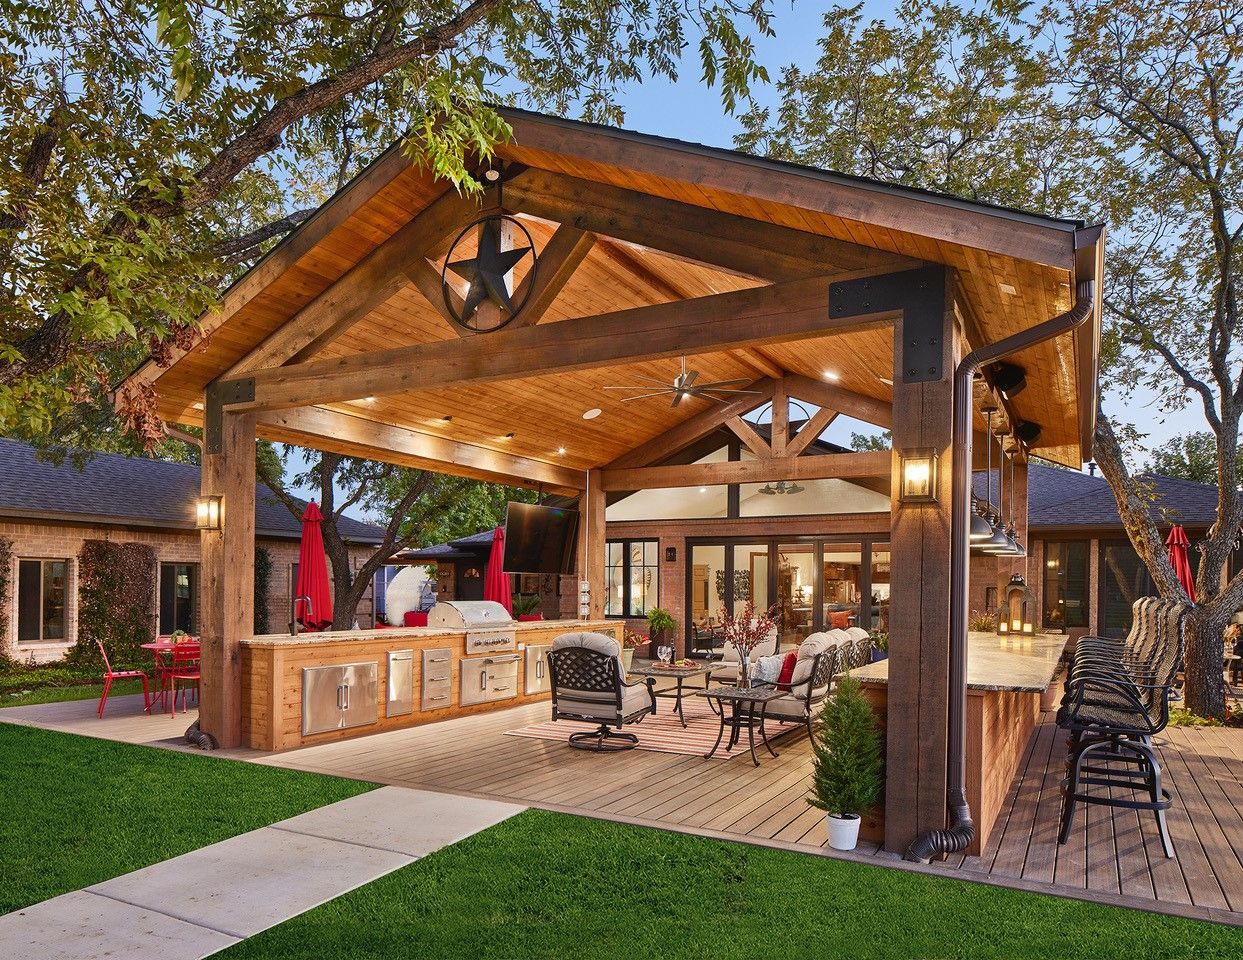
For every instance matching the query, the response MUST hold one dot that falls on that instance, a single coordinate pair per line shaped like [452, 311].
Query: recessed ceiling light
[509, 436]
[592, 413]
[492, 175]
[561, 451]
[832, 376]
[1006, 288]
[447, 418]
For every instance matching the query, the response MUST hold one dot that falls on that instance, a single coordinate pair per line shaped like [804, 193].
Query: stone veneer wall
[62, 541]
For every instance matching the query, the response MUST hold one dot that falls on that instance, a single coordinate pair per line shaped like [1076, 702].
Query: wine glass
[665, 653]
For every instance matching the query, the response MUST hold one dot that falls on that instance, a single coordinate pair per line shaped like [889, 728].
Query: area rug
[663, 732]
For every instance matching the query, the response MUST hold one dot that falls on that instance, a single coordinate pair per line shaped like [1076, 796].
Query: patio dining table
[161, 648]
[657, 669]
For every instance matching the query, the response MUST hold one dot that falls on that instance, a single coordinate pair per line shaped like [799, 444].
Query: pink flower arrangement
[630, 640]
[749, 629]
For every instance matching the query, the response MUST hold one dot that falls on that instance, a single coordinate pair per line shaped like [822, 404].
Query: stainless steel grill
[488, 626]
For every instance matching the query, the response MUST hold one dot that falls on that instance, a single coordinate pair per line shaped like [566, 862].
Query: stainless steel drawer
[437, 664]
[400, 683]
[437, 694]
[536, 668]
[487, 679]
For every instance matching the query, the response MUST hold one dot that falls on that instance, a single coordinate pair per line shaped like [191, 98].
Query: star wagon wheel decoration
[489, 302]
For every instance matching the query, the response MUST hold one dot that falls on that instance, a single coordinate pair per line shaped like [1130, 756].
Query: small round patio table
[741, 713]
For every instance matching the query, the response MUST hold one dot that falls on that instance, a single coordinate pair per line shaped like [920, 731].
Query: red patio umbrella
[496, 583]
[1177, 544]
[313, 573]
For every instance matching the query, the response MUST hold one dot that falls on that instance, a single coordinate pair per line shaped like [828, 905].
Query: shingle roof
[1066, 498]
[133, 491]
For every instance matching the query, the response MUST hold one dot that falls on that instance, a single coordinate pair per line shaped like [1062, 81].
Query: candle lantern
[1017, 613]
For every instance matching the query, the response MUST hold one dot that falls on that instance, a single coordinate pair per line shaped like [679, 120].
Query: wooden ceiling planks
[617, 275]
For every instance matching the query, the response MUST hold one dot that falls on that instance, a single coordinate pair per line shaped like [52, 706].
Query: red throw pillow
[839, 619]
[415, 618]
[787, 670]
[530, 617]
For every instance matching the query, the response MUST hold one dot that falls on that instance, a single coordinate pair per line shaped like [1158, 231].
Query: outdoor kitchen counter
[278, 670]
[416, 633]
[1007, 678]
[1021, 664]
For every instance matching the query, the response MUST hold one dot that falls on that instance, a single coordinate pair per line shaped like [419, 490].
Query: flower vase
[628, 657]
[744, 670]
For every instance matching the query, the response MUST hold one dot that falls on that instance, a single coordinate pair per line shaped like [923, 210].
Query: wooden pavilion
[346, 338]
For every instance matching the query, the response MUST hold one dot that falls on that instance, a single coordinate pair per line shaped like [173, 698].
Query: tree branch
[236, 247]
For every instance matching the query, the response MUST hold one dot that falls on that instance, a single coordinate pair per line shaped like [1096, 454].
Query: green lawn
[25, 696]
[21, 685]
[552, 885]
[79, 810]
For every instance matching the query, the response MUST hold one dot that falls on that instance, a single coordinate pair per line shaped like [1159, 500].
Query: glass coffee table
[654, 668]
[738, 711]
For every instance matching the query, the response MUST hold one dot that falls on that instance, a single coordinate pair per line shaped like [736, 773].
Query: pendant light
[981, 522]
[998, 542]
[1019, 549]
[1009, 547]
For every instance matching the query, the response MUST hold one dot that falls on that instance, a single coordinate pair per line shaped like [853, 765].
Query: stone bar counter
[318, 687]
[1008, 678]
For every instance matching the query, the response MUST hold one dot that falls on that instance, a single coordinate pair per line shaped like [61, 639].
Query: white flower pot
[628, 657]
[843, 830]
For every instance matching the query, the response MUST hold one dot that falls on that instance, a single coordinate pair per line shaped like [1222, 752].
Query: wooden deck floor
[1113, 855]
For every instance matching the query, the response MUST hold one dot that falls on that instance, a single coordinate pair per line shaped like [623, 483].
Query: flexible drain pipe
[961, 830]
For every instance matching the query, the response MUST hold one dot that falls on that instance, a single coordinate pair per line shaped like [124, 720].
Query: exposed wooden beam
[939, 218]
[746, 433]
[557, 262]
[751, 247]
[857, 405]
[361, 289]
[810, 431]
[428, 281]
[754, 357]
[780, 418]
[337, 432]
[695, 428]
[790, 311]
[829, 466]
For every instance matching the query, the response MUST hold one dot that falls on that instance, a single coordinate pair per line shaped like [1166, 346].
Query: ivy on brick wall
[6, 591]
[263, 576]
[116, 601]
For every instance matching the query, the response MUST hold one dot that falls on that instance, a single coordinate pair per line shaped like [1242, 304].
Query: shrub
[659, 620]
[982, 622]
[524, 604]
[263, 576]
[116, 601]
[6, 567]
[847, 771]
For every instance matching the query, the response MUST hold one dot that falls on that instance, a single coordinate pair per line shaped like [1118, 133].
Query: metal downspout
[961, 830]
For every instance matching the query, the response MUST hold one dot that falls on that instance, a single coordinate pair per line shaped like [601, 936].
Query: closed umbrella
[312, 574]
[496, 583]
[1177, 544]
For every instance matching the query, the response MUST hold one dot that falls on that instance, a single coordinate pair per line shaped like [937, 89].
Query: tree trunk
[1204, 693]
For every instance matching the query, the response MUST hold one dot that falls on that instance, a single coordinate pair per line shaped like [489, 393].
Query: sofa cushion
[765, 648]
[634, 698]
[839, 619]
[787, 670]
[767, 669]
[857, 633]
[789, 706]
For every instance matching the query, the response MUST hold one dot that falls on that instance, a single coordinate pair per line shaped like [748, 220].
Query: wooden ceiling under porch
[648, 249]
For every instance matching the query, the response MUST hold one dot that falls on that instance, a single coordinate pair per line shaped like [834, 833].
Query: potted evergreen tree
[846, 776]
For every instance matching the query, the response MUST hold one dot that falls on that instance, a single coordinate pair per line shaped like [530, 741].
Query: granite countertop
[414, 633]
[1021, 664]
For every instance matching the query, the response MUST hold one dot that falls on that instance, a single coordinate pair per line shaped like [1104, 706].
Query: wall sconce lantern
[919, 476]
[208, 512]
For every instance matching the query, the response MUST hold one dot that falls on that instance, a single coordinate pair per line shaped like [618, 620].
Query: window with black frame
[1065, 584]
[41, 587]
[178, 597]
[632, 577]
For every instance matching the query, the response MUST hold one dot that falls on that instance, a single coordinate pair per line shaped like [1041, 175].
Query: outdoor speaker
[1009, 378]
[1027, 432]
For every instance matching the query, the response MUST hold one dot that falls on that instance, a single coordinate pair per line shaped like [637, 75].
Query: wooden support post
[917, 719]
[780, 419]
[591, 535]
[227, 614]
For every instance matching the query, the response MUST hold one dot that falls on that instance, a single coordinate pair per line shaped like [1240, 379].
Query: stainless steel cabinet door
[321, 699]
[536, 668]
[361, 703]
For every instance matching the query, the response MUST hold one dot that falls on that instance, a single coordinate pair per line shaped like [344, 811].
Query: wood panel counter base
[272, 677]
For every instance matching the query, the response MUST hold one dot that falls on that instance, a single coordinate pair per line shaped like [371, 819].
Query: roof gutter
[962, 829]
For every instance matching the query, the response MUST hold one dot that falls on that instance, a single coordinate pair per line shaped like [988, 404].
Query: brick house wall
[48, 540]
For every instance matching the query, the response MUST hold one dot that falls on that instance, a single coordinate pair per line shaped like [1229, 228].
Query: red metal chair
[110, 675]
[184, 665]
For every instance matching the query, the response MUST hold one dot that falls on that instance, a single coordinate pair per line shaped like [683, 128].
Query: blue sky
[688, 110]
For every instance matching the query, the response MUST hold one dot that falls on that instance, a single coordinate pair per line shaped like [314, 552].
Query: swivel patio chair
[589, 684]
[110, 675]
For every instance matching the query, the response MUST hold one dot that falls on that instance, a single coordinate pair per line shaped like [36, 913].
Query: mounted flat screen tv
[540, 539]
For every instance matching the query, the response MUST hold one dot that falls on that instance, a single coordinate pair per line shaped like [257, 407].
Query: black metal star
[486, 271]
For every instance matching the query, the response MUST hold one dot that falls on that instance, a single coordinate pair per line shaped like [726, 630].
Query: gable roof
[1061, 499]
[131, 491]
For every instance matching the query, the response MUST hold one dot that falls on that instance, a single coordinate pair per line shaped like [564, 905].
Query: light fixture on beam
[918, 476]
[209, 512]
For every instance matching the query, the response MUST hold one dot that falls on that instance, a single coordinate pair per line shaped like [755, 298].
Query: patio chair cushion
[634, 698]
[600, 643]
[807, 651]
[857, 633]
[836, 636]
[766, 648]
[790, 707]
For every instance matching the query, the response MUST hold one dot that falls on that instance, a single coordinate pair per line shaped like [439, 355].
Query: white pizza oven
[488, 625]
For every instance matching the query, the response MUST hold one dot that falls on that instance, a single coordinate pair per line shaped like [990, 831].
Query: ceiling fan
[685, 384]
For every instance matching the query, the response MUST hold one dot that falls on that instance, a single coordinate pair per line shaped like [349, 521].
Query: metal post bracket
[919, 295]
[219, 395]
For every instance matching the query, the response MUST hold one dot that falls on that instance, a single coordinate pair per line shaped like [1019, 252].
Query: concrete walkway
[203, 901]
